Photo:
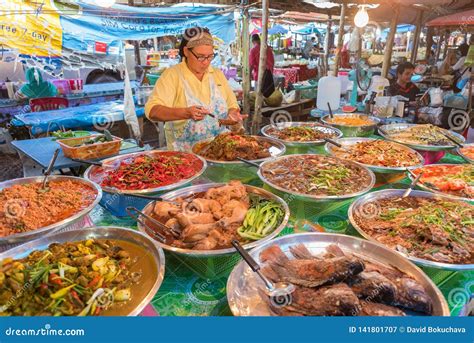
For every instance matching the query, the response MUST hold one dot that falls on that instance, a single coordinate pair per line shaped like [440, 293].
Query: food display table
[182, 293]
[100, 115]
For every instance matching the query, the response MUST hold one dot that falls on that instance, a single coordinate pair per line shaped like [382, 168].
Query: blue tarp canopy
[308, 30]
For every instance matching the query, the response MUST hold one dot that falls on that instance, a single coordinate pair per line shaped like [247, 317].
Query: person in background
[35, 87]
[403, 85]
[308, 47]
[459, 68]
[446, 66]
[192, 96]
[254, 57]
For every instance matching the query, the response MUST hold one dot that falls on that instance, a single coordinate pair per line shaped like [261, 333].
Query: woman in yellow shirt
[192, 96]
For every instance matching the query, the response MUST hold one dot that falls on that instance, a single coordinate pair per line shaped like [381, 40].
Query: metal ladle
[48, 171]
[278, 289]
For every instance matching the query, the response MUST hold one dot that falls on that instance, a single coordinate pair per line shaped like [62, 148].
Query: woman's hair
[463, 49]
[188, 35]
[448, 62]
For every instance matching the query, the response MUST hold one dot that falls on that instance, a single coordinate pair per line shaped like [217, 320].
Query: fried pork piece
[334, 300]
[381, 310]
[373, 287]
[308, 272]
[410, 294]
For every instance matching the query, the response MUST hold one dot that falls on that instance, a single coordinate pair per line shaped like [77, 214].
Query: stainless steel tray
[377, 169]
[113, 233]
[277, 149]
[458, 150]
[189, 191]
[351, 130]
[30, 235]
[114, 162]
[359, 204]
[451, 196]
[313, 125]
[317, 198]
[243, 284]
[401, 127]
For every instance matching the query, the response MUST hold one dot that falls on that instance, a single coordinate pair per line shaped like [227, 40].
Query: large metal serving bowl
[451, 196]
[351, 130]
[401, 127]
[243, 285]
[359, 205]
[213, 263]
[93, 173]
[317, 198]
[105, 232]
[277, 149]
[63, 224]
[347, 142]
[297, 144]
[458, 150]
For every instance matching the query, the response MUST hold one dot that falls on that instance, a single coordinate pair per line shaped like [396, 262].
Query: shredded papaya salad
[145, 171]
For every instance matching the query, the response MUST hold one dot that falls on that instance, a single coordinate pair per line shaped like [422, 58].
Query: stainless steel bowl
[458, 150]
[63, 224]
[317, 198]
[212, 264]
[347, 142]
[401, 127]
[105, 232]
[359, 204]
[243, 285]
[112, 163]
[315, 126]
[351, 130]
[451, 196]
[277, 149]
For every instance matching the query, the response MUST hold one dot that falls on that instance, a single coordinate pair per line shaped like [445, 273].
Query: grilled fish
[375, 309]
[374, 287]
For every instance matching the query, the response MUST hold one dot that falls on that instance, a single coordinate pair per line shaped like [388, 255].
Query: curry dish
[92, 277]
[25, 207]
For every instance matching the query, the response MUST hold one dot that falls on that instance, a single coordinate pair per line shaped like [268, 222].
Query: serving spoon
[132, 212]
[340, 146]
[273, 290]
[48, 171]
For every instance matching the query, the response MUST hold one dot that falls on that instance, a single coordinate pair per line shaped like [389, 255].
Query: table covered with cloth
[182, 293]
[74, 117]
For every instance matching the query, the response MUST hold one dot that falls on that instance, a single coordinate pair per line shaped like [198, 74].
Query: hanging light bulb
[105, 3]
[362, 17]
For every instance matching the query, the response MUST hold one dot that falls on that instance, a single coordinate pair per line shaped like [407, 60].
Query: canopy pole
[438, 47]
[416, 37]
[340, 39]
[136, 44]
[245, 59]
[391, 37]
[446, 43]
[429, 42]
[257, 116]
[328, 48]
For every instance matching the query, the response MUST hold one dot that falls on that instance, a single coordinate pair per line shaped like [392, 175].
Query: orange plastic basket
[91, 151]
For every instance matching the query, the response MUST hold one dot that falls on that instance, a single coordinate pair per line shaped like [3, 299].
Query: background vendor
[403, 85]
[192, 95]
[35, 87]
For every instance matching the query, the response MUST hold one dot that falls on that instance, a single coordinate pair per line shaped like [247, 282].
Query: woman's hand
[196, 113]
[234, 114]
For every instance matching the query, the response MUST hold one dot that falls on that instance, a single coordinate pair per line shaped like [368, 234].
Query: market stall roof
[465, 18]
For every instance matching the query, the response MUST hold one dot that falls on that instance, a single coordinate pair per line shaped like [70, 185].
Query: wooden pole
[359, 47]
[245, 60]
[438, 47]
[340, 39]
[257, 116]
[416, 37]
[446, 43]
[328, 48]
[136, 44]
[429, 42]
[387, 60]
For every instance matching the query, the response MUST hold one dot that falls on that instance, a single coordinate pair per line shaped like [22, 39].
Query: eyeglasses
[203, 58]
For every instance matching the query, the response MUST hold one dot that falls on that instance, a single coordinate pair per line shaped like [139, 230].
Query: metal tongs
[279, 289]
[452, 140]
[132, 212]
[48, 171]
[427, 184]
[412, 186]
[250, 163]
